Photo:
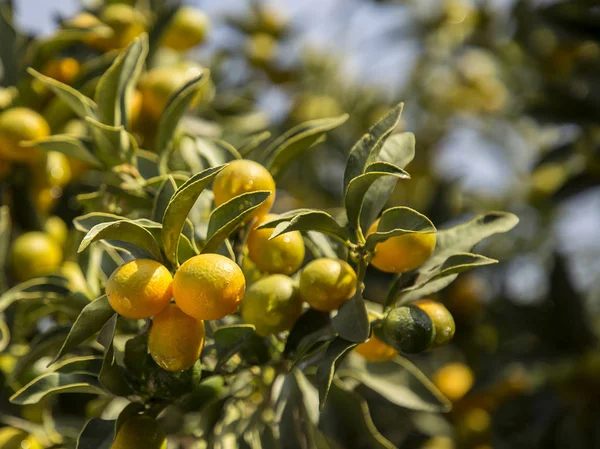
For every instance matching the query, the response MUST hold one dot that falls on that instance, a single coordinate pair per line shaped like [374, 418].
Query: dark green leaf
[56, 383]
[163, 197]
[110, 375]
[136, 354]
[115, 88]
[336, 351]
[228, 216]
[253, 142]
[399, 221]
[306, 220]
[312, 326]
[79, 103]
[291, 144]
[368, 143]
[5, 230]
[114, 145]
[352, 320]
[73, 147]
[179, 207]
[97, 434]
[230, 339]
[171, 116]
[123, 230]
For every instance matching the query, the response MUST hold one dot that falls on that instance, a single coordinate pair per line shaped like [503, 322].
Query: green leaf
[230, 339]
[358, 187]
[97, 434]
[9, 48]
[4, 335]
[85, 223]
[175, 109]
[292, 143]
[79, 103]
[399, 150]
[56, 383]
[115, 145]
[123, 230]
[434, 281]
[110, 375]
[115, 88]
[179, 207]
[306, 220]
[147, 164]
[334, 354]
[253, 142]
[352, 320]
[228, 216]
[73, 147]
[43, 344]
[399, 221]
[398, 381]
[163, 197]
[370, 142]
[312, 327]
[90, 364]
[136, 354]
[50, 286]
[346, 420]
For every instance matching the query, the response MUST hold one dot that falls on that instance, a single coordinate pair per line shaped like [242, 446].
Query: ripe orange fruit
[64, 70]
[402, 253]
[454, 380]
[243, 176]
[442, 320]
[21, 124]
[176, 339]
[209, 286]
[272, 304]
[139, 288]
[187, 29]
[325, 284]
[284, 254]
[34, 254]
[140, 432]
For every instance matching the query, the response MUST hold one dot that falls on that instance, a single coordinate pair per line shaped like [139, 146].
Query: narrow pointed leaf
[352, 320]
[73, 147]
[56, 383]
[306, 220]
[334, 354]
[398, 221]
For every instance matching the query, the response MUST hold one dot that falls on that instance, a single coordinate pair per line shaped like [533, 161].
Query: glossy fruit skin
[243, 176]
[402, 253]
[158, 85]
[140, 432]
[12, 438]
[375, 350]
[325, 284]
[187, 29]
[176, 339]
[21, 124]
[282, 255]
[34, 254]
[442, 320]
[272, 304]
[454, 380]
[139, 288]
[209, 286]
[408, 329]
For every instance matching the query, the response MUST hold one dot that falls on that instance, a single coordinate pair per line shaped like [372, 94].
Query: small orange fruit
[243, 176]
[64, 70]
[404, 252]
[176, 339]
[139, 289]
[454, 380]
[325, 284]
[209, 286]
[284, 254]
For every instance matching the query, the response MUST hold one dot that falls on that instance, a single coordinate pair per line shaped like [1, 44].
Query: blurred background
[503, 97]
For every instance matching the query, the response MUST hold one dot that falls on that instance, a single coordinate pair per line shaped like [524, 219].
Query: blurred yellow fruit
[312, 107]
[12, 438]
[21, 124]
[139, 289]
[34, 254]
[64, 70]
[56, 228]
[126, 22]
[209, 286]
[454, 380]
[243, 176]
[187, 29]
[284, 254]
[140, 432]
[261, 49]
[325, 284]
[272, 304]
[404, 252]
[176, 339]
[439, 443]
